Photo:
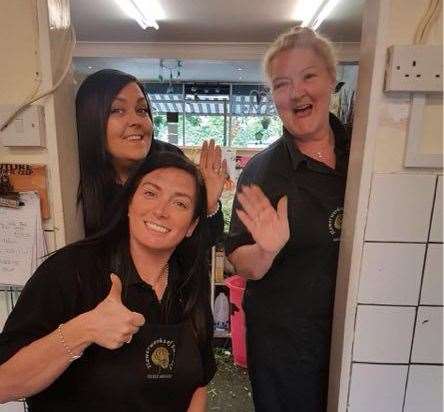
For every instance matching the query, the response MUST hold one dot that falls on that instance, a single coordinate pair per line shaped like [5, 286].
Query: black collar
[341, 148]
[133, 277]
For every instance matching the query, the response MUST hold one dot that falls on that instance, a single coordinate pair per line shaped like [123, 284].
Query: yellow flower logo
[161, 357]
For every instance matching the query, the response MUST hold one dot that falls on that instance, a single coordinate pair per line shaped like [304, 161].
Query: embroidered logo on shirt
[335, 223]
[160, 357]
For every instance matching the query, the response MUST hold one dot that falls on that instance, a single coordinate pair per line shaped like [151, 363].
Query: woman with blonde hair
[285, 229]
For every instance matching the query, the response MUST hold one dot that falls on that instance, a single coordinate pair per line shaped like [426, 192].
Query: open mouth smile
[156, 227]
[304, 109]
[134, 137]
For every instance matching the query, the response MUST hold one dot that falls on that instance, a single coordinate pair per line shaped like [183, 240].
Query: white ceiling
[243, 71]
[210, 21]
[201, 21]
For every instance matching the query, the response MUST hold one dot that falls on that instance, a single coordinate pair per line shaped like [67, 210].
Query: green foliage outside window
[200, 128]
[160, 127]
[246, 131]
[255, 131]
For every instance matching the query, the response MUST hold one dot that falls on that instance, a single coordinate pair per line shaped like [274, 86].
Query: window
[160, 126]
[255, 131]
[237, 115]
[199, 128]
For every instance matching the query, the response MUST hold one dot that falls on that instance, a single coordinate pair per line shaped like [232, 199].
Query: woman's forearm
[215, 228]
[199, 400]
[37, 365]
[251, 261]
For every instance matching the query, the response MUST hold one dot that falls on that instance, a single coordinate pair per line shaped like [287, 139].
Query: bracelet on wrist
[215, 212]
[68, 350]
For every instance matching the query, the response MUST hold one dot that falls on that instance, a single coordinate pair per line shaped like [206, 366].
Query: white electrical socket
[415, 68]
[26, 129]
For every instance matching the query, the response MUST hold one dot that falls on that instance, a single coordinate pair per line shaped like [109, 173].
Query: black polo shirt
[289, 311]
[136, 377]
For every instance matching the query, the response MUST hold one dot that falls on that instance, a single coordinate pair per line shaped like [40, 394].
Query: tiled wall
[398, 346]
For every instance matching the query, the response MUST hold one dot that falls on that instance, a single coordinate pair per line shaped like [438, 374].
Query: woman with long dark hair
[121, 321]
[115, 133]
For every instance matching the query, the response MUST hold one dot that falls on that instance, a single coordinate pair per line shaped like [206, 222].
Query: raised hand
[214, 172]
[111, 322]
[268, 226]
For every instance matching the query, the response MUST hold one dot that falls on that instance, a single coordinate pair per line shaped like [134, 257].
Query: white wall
[387, 340]
[32, 58]
[35, 55]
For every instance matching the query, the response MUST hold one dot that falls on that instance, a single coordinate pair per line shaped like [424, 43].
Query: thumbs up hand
[111, 323]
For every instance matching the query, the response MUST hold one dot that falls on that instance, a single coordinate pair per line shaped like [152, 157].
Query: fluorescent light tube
[140, 10]
[323, 13]
[317, 15]
[305, 10]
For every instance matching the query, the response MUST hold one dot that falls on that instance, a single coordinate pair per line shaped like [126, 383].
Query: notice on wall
[22, 242]
[24, 177]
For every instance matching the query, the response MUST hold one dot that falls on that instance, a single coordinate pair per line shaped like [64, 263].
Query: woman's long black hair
[191, 292]
[97, 174]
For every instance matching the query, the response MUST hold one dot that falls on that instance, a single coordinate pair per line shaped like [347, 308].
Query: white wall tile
[424, 389]
[391, 273]
[432, 285]
[400, 207]
[436, 234]
[377, 388]
[12, 407]
[428, 339]
[383, 334]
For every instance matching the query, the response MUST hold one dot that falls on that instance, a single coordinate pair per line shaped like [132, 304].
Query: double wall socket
[415, 68]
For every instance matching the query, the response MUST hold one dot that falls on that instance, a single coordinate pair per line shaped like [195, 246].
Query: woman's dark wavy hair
[97, 174]
[193, 288]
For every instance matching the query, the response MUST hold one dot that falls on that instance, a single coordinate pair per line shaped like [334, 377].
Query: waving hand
[268, 226]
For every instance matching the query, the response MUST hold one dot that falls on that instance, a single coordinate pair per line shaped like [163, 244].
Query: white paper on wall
[22, 243]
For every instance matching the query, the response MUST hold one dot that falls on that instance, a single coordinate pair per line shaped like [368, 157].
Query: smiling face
[162, 209]
[129, 128]
[301, 87]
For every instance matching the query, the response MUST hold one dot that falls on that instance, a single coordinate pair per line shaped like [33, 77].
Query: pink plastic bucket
[236, 284]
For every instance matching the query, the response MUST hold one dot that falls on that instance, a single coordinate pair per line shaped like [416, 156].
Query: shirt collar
[341, 146]
[121, 263]
[296, 156]
[135, 279]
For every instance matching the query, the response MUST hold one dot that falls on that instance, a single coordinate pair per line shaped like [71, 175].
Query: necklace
[163, 275]
[319, 155]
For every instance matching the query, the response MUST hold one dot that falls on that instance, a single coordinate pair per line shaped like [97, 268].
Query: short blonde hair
[301, 37]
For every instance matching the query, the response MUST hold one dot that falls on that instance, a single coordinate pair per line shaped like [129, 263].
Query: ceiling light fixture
[313, 13]
[143, 11]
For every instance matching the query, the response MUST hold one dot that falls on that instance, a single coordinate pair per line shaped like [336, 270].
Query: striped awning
[238, 105]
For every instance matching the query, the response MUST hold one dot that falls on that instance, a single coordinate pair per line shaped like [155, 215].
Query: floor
[230, 389]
